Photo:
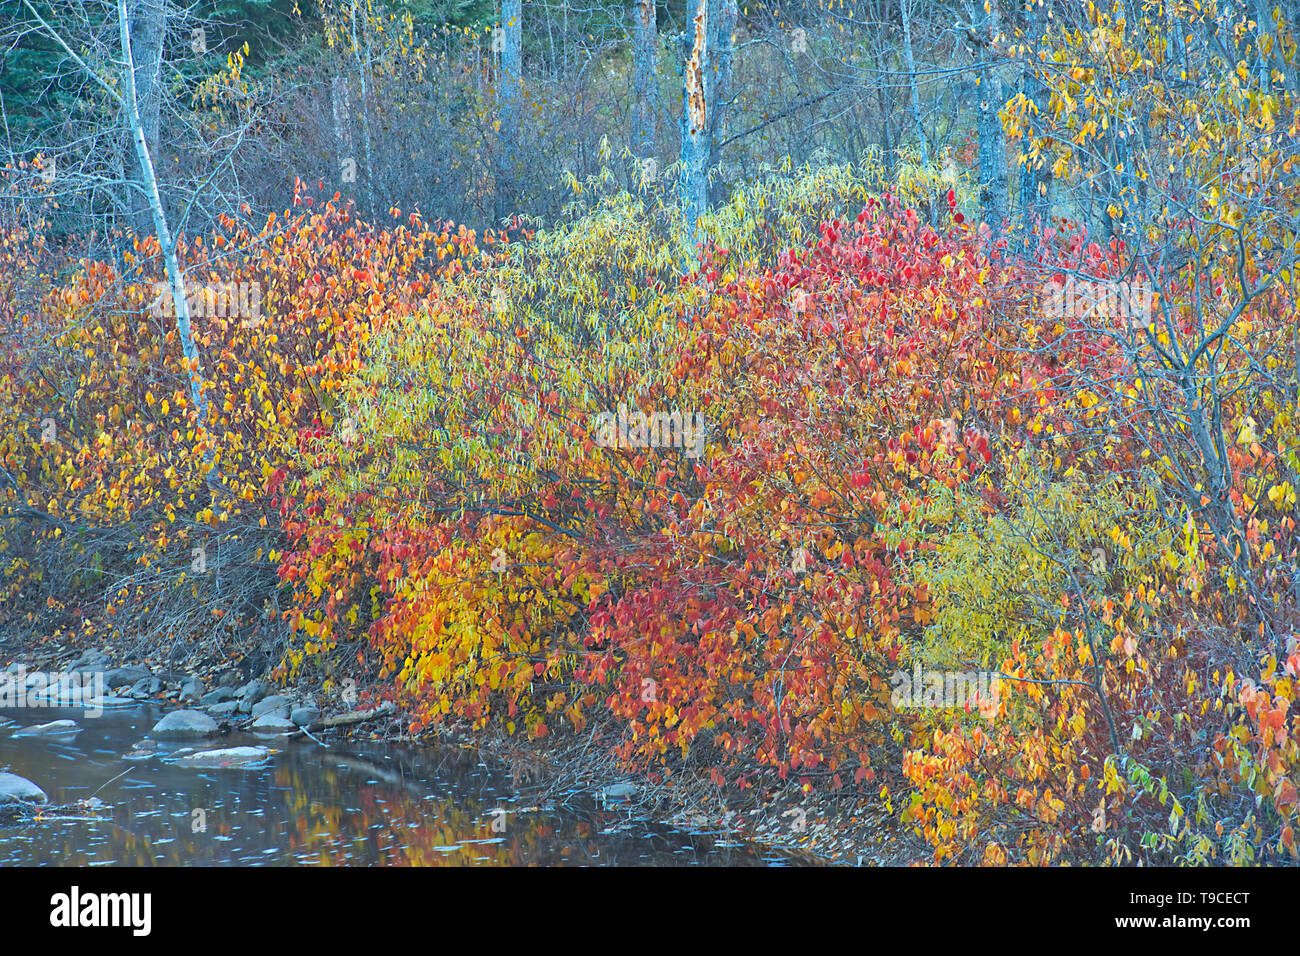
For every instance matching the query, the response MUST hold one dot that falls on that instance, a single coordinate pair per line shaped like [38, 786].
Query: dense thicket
[1022, 403]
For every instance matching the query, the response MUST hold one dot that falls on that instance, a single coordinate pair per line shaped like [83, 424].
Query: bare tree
[509, 103]
[148, 26]
[127, 100]
[905, 11]
[722, 49]
[992, 141]
[645, 46]
[1035, 176]
[706, 76]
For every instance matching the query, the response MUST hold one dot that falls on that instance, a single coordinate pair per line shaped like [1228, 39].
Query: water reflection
[373, 804]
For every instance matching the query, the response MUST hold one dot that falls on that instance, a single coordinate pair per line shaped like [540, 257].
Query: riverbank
[819, 826]
[565, 771]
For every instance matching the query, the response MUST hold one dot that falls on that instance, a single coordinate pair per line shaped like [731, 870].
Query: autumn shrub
[908, 459]
[157, 530]
[741, 609]
[1126, 579]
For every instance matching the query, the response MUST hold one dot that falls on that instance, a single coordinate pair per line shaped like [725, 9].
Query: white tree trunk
[147, 24]
[992, 138]
[363, 65]
[695, 123]
[905, 7]
[645, 44]
[509, 105]
[175, 278]
[721, 45]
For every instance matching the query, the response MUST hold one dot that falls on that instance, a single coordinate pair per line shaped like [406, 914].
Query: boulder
[89, 662]
[275, 704]
[619, 792]
[16, 789]
[185, 723]
[305, 716]
[55, 728]
[192, 689]
[253, 691]
[226, 708]
[273, 724]
[225, 758]
[110, 702]
[124, 676]
[217, 695]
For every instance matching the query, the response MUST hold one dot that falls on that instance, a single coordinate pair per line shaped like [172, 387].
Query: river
[359, 803]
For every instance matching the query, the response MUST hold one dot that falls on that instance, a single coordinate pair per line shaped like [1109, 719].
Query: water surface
[359, 803]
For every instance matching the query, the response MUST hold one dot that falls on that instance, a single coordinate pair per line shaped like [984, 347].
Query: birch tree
[125, 95]
[645, 44]
[992, 141]
[706, 77]
[509, 92]
[147, 26]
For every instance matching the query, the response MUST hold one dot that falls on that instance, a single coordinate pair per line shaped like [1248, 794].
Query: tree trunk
[707, 80]
[363, 70]
[147, 23]
[175, 278]
[341, 103]
[645, 44]
[992, 139]
[509, 104]
[721, 45]
[905, 7]
[1035, 203]
[695, 125]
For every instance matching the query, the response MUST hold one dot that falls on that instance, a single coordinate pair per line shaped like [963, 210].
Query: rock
[155, 685]
[305, 716]
[140, 688]
[110, 702]
[217, 695]
[273, 724]
[89, 662]
[619, 792]
[275, 704]
[226, 708]
[192, 689]
[185, 723]
[16, 789]
[225, 758]
[55, 728]
[228, 679]
[253, 691]
[145, 745]
[124, 676]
